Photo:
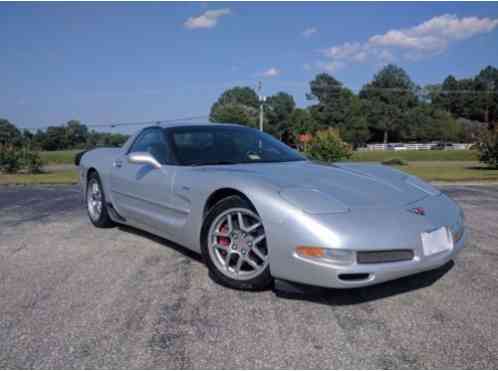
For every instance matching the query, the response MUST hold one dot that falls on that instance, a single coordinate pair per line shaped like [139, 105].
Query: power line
[123, 124]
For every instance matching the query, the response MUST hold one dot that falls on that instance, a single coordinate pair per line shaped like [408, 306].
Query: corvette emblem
[417, 211]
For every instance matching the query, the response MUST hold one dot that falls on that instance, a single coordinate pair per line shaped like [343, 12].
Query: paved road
[73, 296]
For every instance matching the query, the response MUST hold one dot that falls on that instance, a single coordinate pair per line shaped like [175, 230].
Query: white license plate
[436, 241]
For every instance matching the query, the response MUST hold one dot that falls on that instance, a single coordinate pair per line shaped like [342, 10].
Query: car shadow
[335, 297]
[338, 297]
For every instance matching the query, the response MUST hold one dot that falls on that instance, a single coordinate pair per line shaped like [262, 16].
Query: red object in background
[305, 138]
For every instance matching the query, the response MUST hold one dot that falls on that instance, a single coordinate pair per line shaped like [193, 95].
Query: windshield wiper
[203, 163]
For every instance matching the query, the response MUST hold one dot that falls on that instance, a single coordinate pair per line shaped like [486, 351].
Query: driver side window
[154, 142]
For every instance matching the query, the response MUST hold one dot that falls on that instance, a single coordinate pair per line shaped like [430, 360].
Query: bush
[394, 161]
[488, 148]
[10, 159]
[13, 159]
[32, 162]
[327, 145]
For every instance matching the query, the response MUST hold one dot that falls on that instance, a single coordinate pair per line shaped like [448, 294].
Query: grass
[57, 177]
[451, 171]
[58, 157]
[423, 155]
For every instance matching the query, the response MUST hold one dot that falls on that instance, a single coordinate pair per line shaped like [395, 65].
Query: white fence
[413, 146]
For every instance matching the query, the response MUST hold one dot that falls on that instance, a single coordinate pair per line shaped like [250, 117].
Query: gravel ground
[73, 296]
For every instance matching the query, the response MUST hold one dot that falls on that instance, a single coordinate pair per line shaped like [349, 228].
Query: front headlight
[313, 201]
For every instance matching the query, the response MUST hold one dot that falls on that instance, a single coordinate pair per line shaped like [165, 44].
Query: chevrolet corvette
[258, 210]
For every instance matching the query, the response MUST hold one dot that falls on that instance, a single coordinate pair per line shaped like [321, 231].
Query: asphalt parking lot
[73, 296]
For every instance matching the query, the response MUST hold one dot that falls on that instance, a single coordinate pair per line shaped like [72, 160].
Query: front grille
[386, 256]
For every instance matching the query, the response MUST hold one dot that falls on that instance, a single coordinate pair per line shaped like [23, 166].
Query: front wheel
[234, 245]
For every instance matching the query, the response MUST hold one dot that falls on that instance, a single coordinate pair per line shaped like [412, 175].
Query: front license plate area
[436, 241]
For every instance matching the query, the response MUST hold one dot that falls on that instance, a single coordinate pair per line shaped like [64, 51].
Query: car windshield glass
[219, 145]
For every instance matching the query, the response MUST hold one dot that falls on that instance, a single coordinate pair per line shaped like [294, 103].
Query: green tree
[39, 139]
[445, 127]
[55, 139]
[278, 110]
[27, 137]
[418, 123]
[475, 99]
[301, 122]
[487, 85]
[389, 94]
[471, 129]
[9, 134]
[236, 105]
[76, 134]
[333, 101]
[355, 130]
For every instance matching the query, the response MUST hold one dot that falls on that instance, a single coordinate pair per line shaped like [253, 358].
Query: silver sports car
[257, 210]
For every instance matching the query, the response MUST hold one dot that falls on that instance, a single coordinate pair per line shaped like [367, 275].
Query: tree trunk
[385, 136]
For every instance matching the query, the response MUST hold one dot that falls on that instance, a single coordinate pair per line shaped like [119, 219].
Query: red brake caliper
[224, 241]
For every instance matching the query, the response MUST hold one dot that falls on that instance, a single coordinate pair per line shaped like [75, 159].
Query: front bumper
[362, 230]
[328, 275]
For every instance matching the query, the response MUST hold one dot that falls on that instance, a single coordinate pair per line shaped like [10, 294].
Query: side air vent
[386, 256]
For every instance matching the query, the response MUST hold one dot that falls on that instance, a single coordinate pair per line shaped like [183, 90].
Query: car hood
[356, 185]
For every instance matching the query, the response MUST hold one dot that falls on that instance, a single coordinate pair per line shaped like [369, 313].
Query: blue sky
[122, 62]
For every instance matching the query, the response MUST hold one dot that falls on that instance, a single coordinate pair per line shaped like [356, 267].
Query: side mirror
[143, 158]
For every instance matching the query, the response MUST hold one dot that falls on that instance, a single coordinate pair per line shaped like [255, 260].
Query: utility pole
[261, 109]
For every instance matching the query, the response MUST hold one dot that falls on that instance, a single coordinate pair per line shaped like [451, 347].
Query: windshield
[228, 145]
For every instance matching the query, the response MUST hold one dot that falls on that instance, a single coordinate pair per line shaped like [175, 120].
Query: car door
[142, 192]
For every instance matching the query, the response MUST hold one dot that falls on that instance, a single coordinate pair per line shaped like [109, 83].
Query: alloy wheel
[237, 244]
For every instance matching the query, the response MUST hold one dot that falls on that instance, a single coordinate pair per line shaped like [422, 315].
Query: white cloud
[332, 66]
[343, 51]
[428, 38]
[451, 27]
[208, 19]
[309, 32]
[408, 40]
[347, 52]
[270, 72]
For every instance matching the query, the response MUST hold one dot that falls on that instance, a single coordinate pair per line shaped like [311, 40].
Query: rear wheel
[96, 203]
[234, 245]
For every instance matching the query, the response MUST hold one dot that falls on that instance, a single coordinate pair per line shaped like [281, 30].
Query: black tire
[103, 220]
[262, 281]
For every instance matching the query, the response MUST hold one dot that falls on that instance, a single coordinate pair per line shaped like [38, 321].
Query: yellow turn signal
[310, 251]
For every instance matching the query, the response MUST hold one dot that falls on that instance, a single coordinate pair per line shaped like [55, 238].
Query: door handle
[118, 163]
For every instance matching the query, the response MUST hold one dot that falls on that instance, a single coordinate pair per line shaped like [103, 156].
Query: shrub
[10, 159]
[488, 148]
[14, 159]
[327, 145]
[32, 162]
[394, 161]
